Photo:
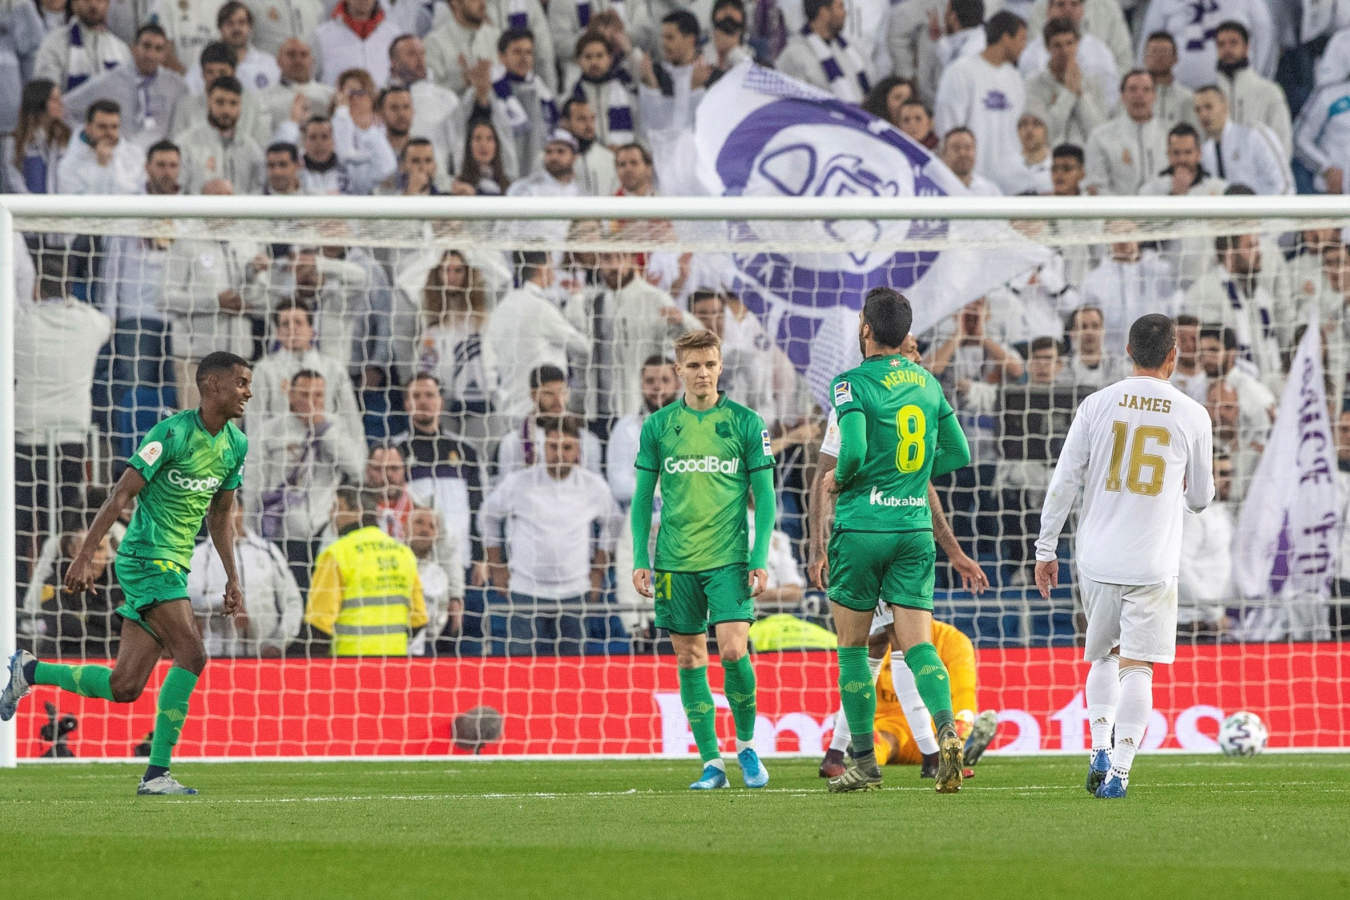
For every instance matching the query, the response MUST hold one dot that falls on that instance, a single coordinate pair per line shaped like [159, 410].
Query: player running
[706, 451]
[918, 731]
[1138, 450]
[187, 467]
[903, 434]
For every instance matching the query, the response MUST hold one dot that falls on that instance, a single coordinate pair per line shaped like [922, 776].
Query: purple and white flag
[1289, 528]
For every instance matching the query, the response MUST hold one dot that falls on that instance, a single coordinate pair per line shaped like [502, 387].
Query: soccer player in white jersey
[1139, 450]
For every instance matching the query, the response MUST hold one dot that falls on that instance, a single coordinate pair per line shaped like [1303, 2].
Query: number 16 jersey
[904, 409]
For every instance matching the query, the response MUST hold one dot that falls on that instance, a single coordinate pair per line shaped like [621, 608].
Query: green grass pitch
[1202, 826]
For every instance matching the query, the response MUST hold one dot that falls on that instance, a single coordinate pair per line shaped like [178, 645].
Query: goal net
[481, 381]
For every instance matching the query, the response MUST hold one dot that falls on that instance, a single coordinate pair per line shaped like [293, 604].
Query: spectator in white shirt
[821, 56]
[958, 152]
[217, 149]
[520, 104]
[442, 576]
[1205, 582]
[1093, 57]
[962, 36]
[634, 169]
[1193, 26]
[277, 21]
[1075, 102]
[523, 444]
[529, 15]
[255, 69]
[283, 170]
[21, 34]
[1322, 137]
[295, 96]
[670, 91]
[463, 43]
[433, 107]
[272, 605]
[78, 51]
[1252, 100]
[608, 86]
[32, 155]
[146, 91]
[1034, 135]
[1173, 102]
[553, 563]
[218, 61]
[1089, 364]
[190, 27]
[528, 329]
[1241, 406]
[1186, 176]
[594, 166]
[358, 36]
[985, 93]
[1103, 19]
[1250, 155]
[98, 161]
[1131, 282]
[1188, 374]
[556, 179]
[483, 170]
[1128, 150]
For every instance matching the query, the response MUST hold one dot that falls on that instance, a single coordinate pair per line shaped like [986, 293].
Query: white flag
[1289, 528]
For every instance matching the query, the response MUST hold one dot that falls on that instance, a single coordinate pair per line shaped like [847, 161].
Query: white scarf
[612, 100]
[88, 54]
[517, 15]
[503, 86]
[843, 68]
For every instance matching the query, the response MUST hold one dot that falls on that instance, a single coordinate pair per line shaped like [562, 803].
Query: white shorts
[881, 618]
[1141, 618]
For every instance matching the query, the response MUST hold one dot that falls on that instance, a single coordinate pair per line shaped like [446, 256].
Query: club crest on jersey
[723, 430]
[843, 393]
[150, 452]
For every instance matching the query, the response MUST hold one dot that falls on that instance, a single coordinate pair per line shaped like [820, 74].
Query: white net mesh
[535, 641]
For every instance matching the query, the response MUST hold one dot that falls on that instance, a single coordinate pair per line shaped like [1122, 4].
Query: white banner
[1289, 527]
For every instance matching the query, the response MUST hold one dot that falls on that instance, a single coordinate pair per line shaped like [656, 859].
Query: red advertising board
[618, 705]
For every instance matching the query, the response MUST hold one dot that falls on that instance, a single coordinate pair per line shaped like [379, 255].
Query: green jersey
[904, 409]
[703, 462]
[184, 465]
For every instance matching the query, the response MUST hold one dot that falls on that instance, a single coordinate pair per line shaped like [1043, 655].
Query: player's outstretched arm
[220, 525]
[641, 521]
[80, 575]
[819, 515]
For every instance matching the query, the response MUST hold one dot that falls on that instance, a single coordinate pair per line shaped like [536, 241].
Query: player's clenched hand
[642, 581]
[818, 570]
[80, 575]
[1047, 577]
[759, 581]
[973, 578]
[234, 601]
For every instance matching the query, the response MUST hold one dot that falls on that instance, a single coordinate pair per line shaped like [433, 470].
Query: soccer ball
[1242, 734]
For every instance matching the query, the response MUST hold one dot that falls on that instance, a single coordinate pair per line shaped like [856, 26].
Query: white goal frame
[530, 208]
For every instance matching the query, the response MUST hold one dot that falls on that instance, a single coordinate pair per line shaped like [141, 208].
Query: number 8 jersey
[907, 418]
[1140, 450]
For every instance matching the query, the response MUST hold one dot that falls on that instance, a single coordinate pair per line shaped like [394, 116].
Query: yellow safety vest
[381, 594]
[785, 632]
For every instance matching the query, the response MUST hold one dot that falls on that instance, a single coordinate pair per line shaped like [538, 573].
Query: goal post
[785, 277]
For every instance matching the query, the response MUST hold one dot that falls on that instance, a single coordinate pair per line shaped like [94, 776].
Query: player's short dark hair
[889, 315]
[306, 373]
[1002, 24]
[1152, 337]
[102, 106]
[163, 145]
[226, 83]
[284, 147]
[529, 262]
[219, 361]
[657, 359]
[229, 9]
[1185, 319]
[685, 22]
[1161, 36]
[702, 294]
[285, 304]
[150, 28]
[1184, 129]
[1044, 342]
[1055, 27]
[392, 89]
[568, 425]
[1072, 151]
[968, 13]
[1235, 26]
[511, 35]
[546, 374]
[699, 339]
[1224, 334]
[593, 36]
[1134, 73]
[218, 52]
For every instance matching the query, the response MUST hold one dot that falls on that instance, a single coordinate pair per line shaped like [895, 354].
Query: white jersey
[829, 444]
[1192, 24]
[988, 100]
[1137, 449]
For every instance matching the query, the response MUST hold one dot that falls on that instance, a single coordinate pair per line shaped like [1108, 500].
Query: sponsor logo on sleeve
[843, 393]
[150, 452]
[768, 444]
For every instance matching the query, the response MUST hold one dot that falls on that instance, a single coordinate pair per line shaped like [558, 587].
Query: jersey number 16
[1139, 459]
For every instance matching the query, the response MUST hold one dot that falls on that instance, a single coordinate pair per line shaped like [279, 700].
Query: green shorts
[867, 566]
[688, 602]
[146, 583]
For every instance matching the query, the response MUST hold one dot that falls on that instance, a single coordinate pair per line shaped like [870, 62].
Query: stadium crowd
[471, 396]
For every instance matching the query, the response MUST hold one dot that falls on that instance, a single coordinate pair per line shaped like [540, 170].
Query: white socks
[1136, 703]
[916, 713]
[839, 740]
[1103, 696]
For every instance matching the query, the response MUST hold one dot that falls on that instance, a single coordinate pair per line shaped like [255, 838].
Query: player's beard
[862, 344]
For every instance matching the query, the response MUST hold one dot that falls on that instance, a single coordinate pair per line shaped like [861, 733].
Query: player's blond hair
[697, 340]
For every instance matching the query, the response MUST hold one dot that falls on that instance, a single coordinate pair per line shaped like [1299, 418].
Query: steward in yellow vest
[365, 593]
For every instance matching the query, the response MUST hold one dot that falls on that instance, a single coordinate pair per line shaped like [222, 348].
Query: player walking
[706, 451]
[1137, 449]
[903, 434]
[187, 467]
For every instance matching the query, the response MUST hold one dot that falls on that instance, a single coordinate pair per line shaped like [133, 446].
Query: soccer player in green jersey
[187, 468]
[897, 431]
[708, 453]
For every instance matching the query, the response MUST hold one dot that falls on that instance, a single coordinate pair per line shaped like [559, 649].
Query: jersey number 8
[1134, 481]
[911, 427]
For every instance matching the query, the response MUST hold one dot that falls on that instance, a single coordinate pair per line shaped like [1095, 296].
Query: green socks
[740, 693]
[87, 681]
[859, 695]
[172, 712]
[698, 707]
[930, 676]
